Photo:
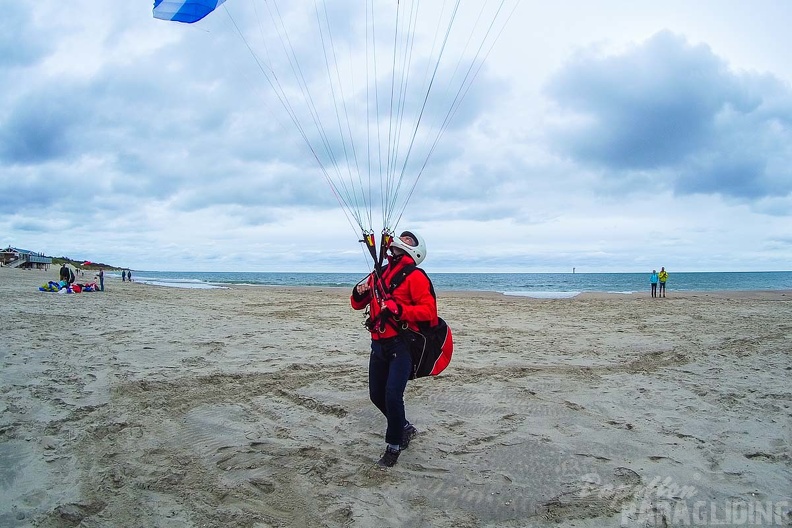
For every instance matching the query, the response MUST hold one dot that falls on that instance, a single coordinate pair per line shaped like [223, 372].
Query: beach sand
[248, 407]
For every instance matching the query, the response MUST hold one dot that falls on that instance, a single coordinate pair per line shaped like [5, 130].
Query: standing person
[101, 279]
[63, 273]
[390, 362]
[653, 281]
[663, 277]
[123, 275]
[129, 275]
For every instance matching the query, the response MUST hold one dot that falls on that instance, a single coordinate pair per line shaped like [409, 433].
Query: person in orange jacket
[390, 363]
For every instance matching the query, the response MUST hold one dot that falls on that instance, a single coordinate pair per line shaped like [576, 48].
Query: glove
[392, 306]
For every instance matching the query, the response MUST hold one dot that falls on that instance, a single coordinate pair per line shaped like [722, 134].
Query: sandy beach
[248, 407]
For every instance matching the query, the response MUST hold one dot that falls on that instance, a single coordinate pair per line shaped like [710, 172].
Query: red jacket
[413, 296]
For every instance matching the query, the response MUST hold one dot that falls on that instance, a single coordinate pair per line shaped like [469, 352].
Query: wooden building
[24, 259]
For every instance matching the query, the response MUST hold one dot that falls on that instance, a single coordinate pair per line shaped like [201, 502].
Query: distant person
[101, 279]
[663, 277]
[123, 275]
[653, 281]
[129, 275]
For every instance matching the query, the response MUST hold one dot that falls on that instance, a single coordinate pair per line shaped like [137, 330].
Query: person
[123, 275]
[129, 275]
[662, 277]
[101, 279]
[653, 281]
[390, 362]
[63, 273]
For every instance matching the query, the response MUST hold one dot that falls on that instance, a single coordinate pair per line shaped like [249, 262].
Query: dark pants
[101, 283]
[654, 289]
[662, 289]
[390, 366]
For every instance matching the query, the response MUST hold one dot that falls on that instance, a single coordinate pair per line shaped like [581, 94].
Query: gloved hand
[392, 306]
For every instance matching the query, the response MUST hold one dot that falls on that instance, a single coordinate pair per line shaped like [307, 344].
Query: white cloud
[618, 139]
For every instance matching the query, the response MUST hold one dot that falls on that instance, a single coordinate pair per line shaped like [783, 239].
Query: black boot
[390, 457]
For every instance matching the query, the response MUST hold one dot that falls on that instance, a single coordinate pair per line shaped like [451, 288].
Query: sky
[606, 136]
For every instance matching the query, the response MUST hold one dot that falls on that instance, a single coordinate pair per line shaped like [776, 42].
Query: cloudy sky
[605, 136]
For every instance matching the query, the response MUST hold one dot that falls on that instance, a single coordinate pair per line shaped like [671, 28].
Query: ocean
[538, 285]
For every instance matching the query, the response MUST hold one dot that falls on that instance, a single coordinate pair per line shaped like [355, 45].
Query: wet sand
[248, 407]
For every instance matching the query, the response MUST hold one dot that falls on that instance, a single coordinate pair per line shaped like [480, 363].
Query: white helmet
[417, 252]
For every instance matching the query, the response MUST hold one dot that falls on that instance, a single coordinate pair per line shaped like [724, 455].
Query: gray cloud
[20, 45]
[667, 105]
[39, 127]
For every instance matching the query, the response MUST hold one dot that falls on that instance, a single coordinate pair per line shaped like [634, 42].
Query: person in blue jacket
[653, 281]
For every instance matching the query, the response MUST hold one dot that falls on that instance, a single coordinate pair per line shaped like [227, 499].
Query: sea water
[539, 285]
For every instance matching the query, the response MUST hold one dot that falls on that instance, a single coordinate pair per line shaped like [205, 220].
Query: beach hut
[24, 259]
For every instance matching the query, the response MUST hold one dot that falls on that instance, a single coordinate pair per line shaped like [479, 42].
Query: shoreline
[761, 294]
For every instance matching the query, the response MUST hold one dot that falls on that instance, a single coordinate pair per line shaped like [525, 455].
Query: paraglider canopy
[188, 11]
[370, 86]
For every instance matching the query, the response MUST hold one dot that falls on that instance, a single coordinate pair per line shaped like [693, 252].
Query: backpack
[431, 347]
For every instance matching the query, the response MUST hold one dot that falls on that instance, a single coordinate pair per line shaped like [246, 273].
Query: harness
[383, 317]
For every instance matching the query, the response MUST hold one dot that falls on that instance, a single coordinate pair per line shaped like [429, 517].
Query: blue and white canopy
[188, 11]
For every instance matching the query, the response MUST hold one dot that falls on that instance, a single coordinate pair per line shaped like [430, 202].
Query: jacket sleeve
[360, 301]
[418, 304]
